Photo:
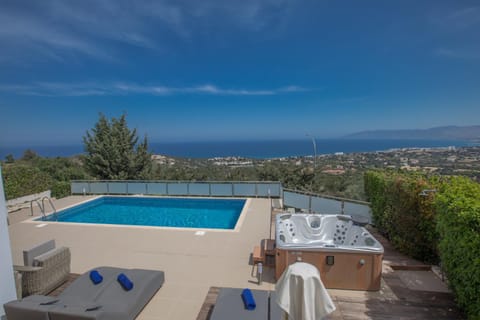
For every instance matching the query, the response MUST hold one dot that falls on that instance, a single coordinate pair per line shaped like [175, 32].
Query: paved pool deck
[194, 264]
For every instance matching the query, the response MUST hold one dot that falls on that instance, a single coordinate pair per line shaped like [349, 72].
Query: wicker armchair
[47, 271]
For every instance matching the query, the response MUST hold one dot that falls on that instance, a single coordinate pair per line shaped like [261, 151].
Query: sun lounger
[32, 307]
[84, 289]
[230, 306]
[276, 313]
[84, 300]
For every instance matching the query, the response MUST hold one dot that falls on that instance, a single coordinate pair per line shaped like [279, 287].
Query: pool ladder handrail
[41, 205]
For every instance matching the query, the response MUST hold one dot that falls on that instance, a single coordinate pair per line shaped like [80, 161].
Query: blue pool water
[165, 212]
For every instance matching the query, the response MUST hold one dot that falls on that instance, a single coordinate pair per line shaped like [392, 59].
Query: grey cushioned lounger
[230, 306]
[276, 313]
[145, 284]
[115, 303]
[32, 307]
[83, 300]
[87, 312]
[84, 289]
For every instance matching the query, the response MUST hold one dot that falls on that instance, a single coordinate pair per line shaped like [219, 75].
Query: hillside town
[445, 161]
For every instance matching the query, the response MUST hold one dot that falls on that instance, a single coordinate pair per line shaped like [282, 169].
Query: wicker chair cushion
[29, 255]
[39, 260]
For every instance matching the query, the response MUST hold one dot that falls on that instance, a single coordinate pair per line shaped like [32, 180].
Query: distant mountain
[437, 133]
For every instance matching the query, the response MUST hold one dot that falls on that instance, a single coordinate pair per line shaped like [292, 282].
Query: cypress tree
[113, 151]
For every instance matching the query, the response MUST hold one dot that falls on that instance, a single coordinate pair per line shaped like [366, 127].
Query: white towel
[301, 294]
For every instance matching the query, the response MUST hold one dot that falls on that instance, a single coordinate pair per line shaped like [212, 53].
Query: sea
[253, 149]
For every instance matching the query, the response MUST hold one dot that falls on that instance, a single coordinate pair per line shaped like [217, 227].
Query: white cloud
[211, 89]
[253, 15]
[455, 18]
[293, 89]
[94, 28]
[465, 17]
[456, 30]
[115, 89]
[463, 54]
[27, 33]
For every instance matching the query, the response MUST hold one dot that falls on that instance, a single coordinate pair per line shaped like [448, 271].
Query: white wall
[26, 199]
[7, 281]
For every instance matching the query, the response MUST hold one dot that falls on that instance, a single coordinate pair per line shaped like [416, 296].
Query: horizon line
[308, 140]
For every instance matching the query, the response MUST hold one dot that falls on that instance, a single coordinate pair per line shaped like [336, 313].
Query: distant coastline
[254, 149]
[466, 133]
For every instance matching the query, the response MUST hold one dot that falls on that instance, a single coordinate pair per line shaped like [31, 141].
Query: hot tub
[345, 253]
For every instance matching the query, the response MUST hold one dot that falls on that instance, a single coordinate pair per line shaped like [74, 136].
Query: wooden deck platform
[409, 305]
[395, 300]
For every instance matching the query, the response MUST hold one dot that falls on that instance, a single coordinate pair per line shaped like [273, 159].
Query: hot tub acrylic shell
[346, 254]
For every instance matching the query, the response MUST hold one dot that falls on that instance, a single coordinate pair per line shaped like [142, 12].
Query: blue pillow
[96, 277]
[248, 299]
[126, 283]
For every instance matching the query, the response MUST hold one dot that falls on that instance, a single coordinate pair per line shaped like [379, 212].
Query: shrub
[61, 189]
[444, 224]
[401, 213]
[22, 180]
[27, 177]
[375, 186]
[458, 223]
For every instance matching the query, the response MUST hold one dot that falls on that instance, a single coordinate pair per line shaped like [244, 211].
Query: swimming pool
[158, 212]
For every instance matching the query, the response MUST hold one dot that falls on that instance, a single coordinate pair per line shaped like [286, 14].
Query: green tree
[113, 151]
[9, 158]
[29, 155]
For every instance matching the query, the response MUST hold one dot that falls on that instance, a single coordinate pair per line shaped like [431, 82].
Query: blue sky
[236, 70]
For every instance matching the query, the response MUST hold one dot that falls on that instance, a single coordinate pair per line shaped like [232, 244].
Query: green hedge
[402, 214]
[40, 174]
[436, 226]
[20, 181]
[61, 189]
[458, 223]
